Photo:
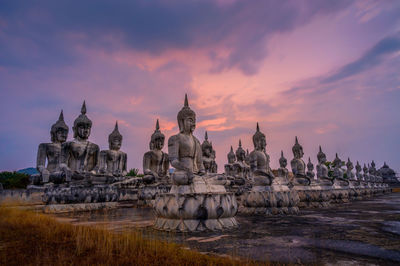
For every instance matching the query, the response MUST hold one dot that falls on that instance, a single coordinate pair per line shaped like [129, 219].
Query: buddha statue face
[60, 135]
[158, 142]
[115, 144]
[82, 130]
[282, 162]
[358, 167]
[297, 150]
[188, 125]
[321, 156]
[349, 166]
[260, 143]
[240, 155]
[207, 152]
[59, 131]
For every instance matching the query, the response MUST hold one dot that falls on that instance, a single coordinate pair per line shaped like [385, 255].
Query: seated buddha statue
[322, 170]
[185, 155]
[259, 161]
[80, 157]
[283, 172]
[372, 171]
[52, 153]
[338, 172]
[229, 170]
[210, 166]
[155, 161]
[240, 167]
[366, 175]
[359, 175]
[310, 169]
[298, 165]
[113, 161]
[350, 174]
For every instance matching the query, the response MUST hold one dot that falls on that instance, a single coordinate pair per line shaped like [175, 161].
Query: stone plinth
[71, 194]
[314, 196]
[197, 207]
[270, 200]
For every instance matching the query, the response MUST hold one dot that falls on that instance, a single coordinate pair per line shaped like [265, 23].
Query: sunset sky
[325, 71]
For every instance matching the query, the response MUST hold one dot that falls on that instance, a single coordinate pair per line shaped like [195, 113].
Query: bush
[12, 180]
[133, 172]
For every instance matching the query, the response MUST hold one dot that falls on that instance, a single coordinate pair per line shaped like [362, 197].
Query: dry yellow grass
[28, 238]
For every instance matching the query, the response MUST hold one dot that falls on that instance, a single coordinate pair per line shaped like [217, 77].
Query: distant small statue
[113, 161]
[155, 161]
[349, 172]
[210, 165]
[241, 169]
[359, 175]
[80, 157]
[259, 161]
[298, 165]
[310, 169]
[322, 170]
[229, 170]
[366, 175]
[338, 172]
[52, 153]
[283, 172]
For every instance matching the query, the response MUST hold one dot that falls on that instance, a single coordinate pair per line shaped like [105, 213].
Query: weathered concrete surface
[361, 232]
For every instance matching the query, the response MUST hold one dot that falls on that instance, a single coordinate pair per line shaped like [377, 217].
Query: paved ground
[364, 232]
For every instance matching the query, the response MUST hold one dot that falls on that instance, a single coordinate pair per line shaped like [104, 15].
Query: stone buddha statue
[197, 200]
[184, 149]
[229, 170]
[338, 172]
[210, 165]
[80, 157]
[298, 165]
[247, 159]
[155, 161]
[259, 161]
[241, 169]
[366, 175]
[372, 171]
[349, 172]
[52, 153]
[310, 169]
[113, 161]
[283, 172]
[322, 170]
[359, 175]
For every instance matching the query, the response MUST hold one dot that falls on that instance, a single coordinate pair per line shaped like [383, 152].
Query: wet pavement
[362, 232]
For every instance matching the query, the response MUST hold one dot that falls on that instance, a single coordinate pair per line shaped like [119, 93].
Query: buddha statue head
[373, 165]
[259, 140]
[59, 130]
[337, 162]
[358, 167]
[231, 156]
[206, 147]
[115, 139]
[365, 169]
[186, 118]
[297, 150]
[321, 156]
[282, 161]
[310, 166]
[349, 165]
[157, 138]
[240, 153]
[82, 125]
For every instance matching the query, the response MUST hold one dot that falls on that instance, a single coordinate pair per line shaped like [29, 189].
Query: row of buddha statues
[242, 165]
[81, 160]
